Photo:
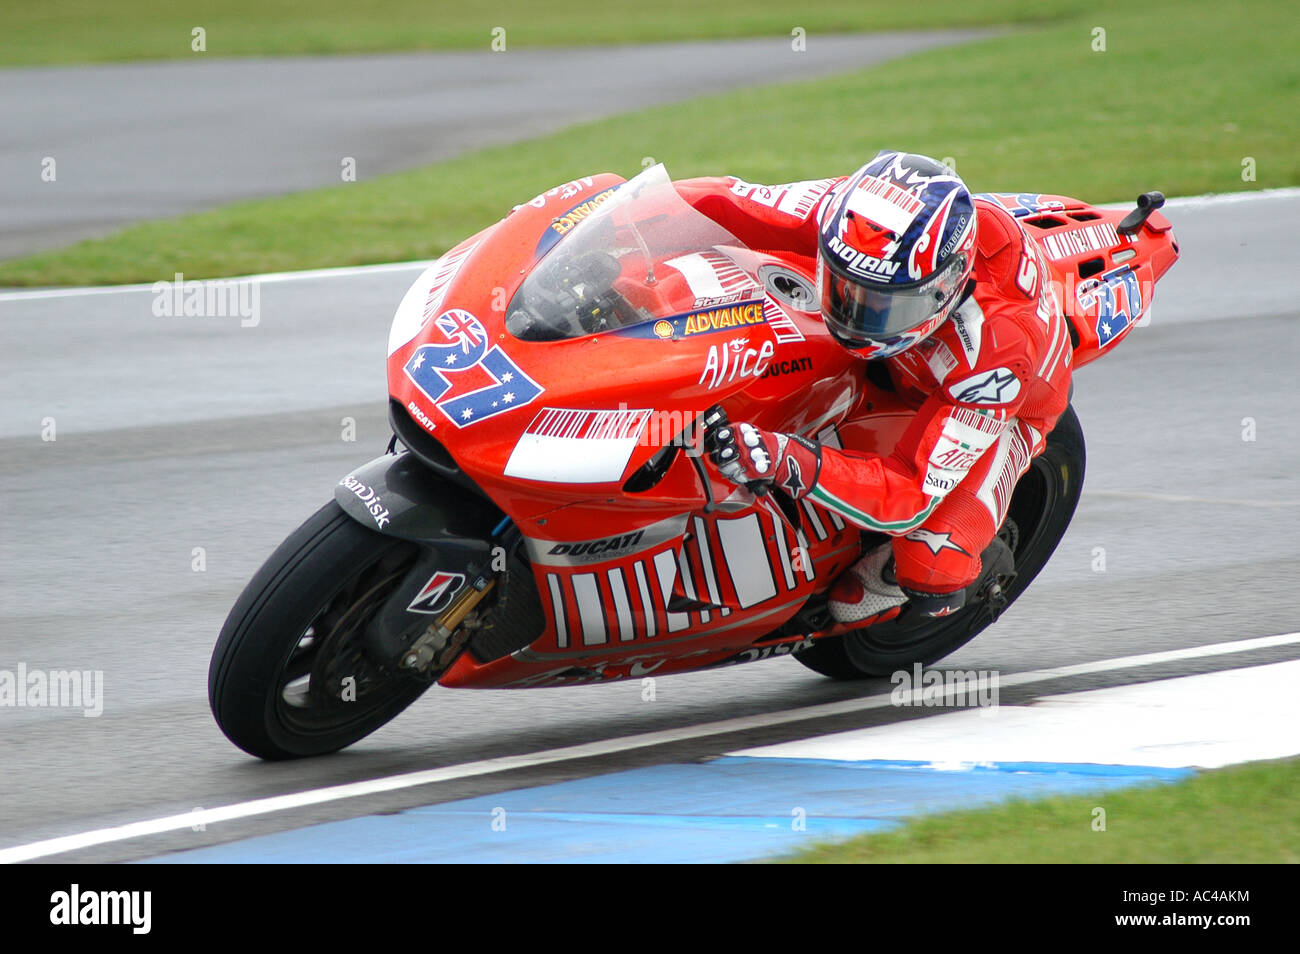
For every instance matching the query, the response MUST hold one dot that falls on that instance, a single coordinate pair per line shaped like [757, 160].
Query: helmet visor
[862, 315]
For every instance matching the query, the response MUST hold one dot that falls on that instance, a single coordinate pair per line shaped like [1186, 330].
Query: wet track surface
[150, 140]
[176, 434]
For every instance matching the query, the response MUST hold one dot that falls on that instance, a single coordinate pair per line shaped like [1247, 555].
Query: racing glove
[754, 458]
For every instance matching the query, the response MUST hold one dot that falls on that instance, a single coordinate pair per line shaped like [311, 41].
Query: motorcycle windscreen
[630, 261]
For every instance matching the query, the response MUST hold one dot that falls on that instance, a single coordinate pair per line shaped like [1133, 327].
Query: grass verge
[83, 31]
[1184, 98]
[1241, 814]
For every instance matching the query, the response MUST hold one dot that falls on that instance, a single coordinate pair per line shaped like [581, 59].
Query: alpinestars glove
[757, 459]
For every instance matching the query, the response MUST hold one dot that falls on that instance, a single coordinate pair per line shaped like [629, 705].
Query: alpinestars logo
[437, 593]
[935, 542]
[793, 482]
[998, 386]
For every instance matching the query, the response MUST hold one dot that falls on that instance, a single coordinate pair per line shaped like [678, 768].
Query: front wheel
[1041, 508]
[289, 676]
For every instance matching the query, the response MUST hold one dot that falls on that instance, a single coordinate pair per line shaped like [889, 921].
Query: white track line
[333, 793]
[1213, 198]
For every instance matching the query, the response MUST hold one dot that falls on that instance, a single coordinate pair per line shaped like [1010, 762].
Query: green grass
[1242, 814]
[1181, 95]
[75, 31]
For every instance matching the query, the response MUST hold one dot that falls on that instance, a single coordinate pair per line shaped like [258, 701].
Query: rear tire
[279, 683]
[1042, 506]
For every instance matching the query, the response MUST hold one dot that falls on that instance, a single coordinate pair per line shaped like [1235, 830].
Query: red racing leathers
[988, 386]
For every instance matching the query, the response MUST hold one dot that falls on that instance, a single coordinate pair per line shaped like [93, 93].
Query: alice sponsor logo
[955, 458]
[944, 688]
[55, 688]
[372, 501]
[214, 298]
[78, 907]
[735, 359]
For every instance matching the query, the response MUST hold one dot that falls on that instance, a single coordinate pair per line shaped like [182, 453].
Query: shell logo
[663, 329]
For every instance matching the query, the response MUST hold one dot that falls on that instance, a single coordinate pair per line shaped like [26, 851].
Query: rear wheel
[1041, 508]
[289, 675]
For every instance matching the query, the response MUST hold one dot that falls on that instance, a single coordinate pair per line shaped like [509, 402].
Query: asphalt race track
[151, 140]
[181, 433]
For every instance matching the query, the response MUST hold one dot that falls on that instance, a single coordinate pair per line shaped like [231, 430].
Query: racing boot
[997, 569]
[870, 588]
[867, 589]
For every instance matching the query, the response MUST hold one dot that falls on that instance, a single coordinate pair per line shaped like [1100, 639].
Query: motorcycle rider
[944, 295]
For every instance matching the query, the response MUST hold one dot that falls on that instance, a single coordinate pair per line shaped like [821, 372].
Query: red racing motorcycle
[543, 515]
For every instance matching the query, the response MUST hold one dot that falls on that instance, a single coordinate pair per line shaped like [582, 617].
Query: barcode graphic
[1091, 238]
[731, 276]
[884, 189]
[447, 268]
[588, 425]
[802, 197]
[782, 325]
[1016, 463]
[984, 422]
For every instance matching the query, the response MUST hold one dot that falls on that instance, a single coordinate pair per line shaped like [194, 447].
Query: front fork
[443, 639]
[426, 622]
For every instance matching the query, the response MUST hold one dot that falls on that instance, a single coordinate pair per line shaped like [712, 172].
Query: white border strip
[334, 793]
[1215, 198]
[266, 278]
[1210, 198]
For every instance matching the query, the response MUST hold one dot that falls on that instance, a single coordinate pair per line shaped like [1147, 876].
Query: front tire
[289, 676]
[1042, 506]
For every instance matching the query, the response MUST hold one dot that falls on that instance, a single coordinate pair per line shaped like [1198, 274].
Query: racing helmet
[895, 250]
